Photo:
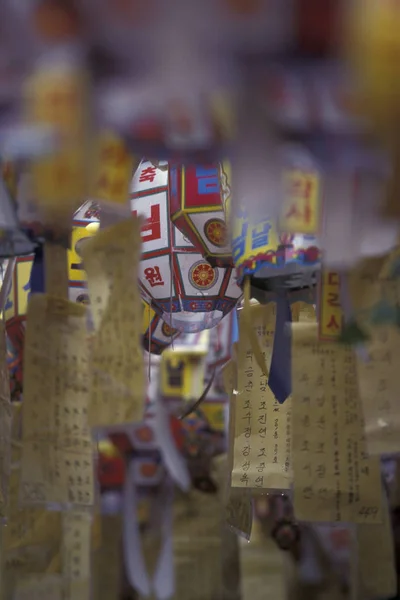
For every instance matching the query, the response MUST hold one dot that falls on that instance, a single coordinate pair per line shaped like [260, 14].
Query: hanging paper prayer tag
[249, 331]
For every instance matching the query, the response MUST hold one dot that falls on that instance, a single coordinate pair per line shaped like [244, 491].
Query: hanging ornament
[181, 286]
[157, 334]
[197, 209]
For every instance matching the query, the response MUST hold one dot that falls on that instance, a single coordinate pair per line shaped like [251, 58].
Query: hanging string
[203, 396]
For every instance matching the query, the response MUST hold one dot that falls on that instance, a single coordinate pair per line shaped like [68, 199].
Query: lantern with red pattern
[180, 285]
[197, 201]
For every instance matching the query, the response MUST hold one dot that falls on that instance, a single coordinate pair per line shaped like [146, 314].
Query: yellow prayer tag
[76, 548]
[334, 479]
[117, 371]
[57, 464]
[39, 587]
[377, 365]
[301, 210]
[262, 455]
[375, 559]
[114, 170]
[331, 315]
[56, 97]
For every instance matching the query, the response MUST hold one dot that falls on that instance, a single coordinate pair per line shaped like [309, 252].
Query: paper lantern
[179, 284]
[197, 209]
[157, 334]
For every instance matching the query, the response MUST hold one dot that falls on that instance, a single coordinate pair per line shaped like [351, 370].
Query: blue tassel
[37, 280]
[280, 377]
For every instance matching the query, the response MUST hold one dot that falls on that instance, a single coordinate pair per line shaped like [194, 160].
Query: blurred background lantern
[181, 286]
[157, 334]
[197, 209]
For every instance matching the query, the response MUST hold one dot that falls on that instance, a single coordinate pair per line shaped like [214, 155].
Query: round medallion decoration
[215, 232]
[202, 276]
[167, 330]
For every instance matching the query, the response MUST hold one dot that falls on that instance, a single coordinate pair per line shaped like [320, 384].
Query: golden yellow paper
[57, 465]
[56, 97]
[262, 456]
[56, 271]
[378, 370]
[301, 202]
[114, 170]
[76, 547]
[39, 587]
[117, 372]
[334, 480]
[375, 559]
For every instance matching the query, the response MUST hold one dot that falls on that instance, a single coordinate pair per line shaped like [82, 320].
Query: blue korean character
[239, 243]
[9, 304]
[27, 288]
[207, 180]
[260, 235]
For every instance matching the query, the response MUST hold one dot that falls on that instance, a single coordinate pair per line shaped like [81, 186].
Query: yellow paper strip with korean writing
[334, 479]
[301, 203]
[57, 463]
[76, 547]
[330, 311]
[377, 366]
[117, 371]
[375, 558]
[114, 170]
[262, 454]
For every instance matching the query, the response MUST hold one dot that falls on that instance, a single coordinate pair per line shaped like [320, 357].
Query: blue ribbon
[280, 376]
[37, 279]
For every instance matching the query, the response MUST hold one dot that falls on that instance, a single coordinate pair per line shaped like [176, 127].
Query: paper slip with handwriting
[5, 423]
[262, 446]
[334, 479]
[117, 372]
[76, 549]
[57, 457]
[376, 560]
[239, 512]
[378, 372]
[378, 383]
[39, 587]
[107, 560]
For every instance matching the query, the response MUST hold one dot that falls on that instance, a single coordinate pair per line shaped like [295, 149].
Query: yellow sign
[252, 242]
[331, 315]
[300, 211]
[114, 171]
[75, 266]
[215, 415]
[148, 316]
[17, 301]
